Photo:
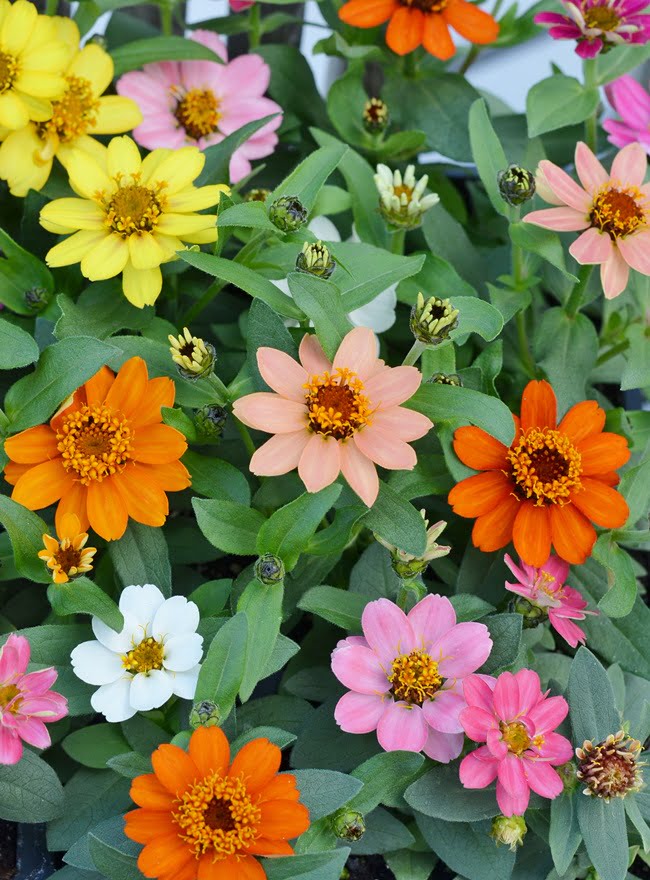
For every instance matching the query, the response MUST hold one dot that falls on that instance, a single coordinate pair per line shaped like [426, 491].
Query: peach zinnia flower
[613, 210]
[549, 486]
[104, 456]
[423, 22]
[202, 816]
[332, 417]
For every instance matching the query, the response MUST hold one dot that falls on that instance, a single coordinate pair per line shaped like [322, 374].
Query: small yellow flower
[26, 156]
[68, 557]
[132, 214]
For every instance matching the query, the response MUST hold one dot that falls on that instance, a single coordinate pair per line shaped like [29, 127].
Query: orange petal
[74, 501]
[601, 504]
[160, 392]
[145, 501]
[265, 847]
[150, 793]
[479, 494]
[531, 534]
[259, 761]
[71, 404]
[493, 530]
[610, 479]
[33, 445]
[603, 452]
[98, 387]
[171, 477]
[281, 787]
[222, 869]
[573, 535]
[437, 40]
[164, 854]
[210, 751]
[106, 509]
[249, 869]
[367, 13]
[405, 29]
[174, 768]
[473, 23]
[42, 485]
[145, 825]
[158, 444]
[187, 873]
[13, 472]
[538, 406]
[69, 526]
[479, 450]
[583, 420]
[128, 389]
[283, 819]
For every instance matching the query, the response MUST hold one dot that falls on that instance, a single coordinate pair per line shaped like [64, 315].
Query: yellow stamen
[602, 18]
[545, 466]
[336, 404]
[198, 113]
[95, 443]
[8, 71]
[144, 657]
[515, 736]
[8, 693]
[133, 208]
[73, 114]
[619, 211]
[415, 677]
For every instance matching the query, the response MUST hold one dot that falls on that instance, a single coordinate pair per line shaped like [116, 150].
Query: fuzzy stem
[397, 242]
[51, 7]
[573, 303]
[414, 354]
[591, 122]
[245, 435]
[254, 22]
[166, 18]
[219, 389]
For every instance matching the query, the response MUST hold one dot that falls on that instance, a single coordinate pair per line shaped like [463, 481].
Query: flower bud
[193, 356]
[532, 614]
[567, 773]
[269, 569]
[509, 830]
[288, 213]
[446, 379]
[36, 298]
[315, 259]
[610, 768]
[402, 202]
[407, 566]
[99, 40]
[348, 824]
[375, 116]
[205, 714]
[210, 421]
[433, 319]
[516, 185]
[257, 195]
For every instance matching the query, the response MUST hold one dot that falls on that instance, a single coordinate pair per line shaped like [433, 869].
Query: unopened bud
[257, 195]
[269, 569]
[402, 202]
[375, 116]
[210, 421]
[516, 185]
[99, 40]
[509, 830]
[288, 213]
[348, 824]
[433, 319]
[36, 298]
[205, 714]
[532, 614]
[192, 355]
[446, 379]
[315, 259]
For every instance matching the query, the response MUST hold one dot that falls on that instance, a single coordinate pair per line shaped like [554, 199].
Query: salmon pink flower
[632, 103]
[26, 702]
[545, 588]
[611, 210]
[335, 417]
[598, 25]
[406, 676]
[517, 722]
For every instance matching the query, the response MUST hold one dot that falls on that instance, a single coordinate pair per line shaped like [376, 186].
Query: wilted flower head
[269, 569]
[68, 557]
[315, 259]
[401, 199]
[36, 298]
[598, 25]
[193, 356]
[516, 184]
[375, 115]
[404, 564]
[288, 213]
[509, 830]
[610, 768]
[433, 319]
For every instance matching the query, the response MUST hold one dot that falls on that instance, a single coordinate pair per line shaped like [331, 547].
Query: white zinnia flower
[156, 654]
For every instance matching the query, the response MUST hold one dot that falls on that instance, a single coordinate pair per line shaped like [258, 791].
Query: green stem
[524, 345]
[573, 303]
[245, 435]
[219, 389]
[254, 22]
[591, 122]
[397, 242]
[166, 18]
[410, 65]
[612, 352]
[470, 58]
[51, 7]
[407, 589]
[414, 354]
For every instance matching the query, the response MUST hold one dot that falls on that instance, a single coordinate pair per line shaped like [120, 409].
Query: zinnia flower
[156, 654]
[26, 702]
[612, 209]
[424, 22]
[201, 815]
[517, 721]
[200, 102]
[335, 417]
[406, 676]
[545, 588]
[132, 216]
[549, 486]
[26, 155]
[632, 103]
[104, 456]
[32, 59]
[598, 25]
[68, 557]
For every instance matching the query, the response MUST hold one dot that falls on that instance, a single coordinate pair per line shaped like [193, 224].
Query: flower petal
[387, 630]
[442, 713]
[548, 714]
[282, 373]
[592, 247]
[183, 652]
[271, 413]
[280, 454]
[479, 450]
[402, 728]
[436, 38]
[583, 420]
[311, 353]
[95, 664]
[565, 187]
[531, 533]
[601, 504]
[462, 650]
[443, 747]
[478, 769]
[538, 406]
[479, 494]
[405, 424]
[602, 453]
[591, 173]
[511, 775]
[573, 534]
[113, 700]
[358, 713]
[405, 30]
[320, 462]
[559, 219]
[493, 530]
[367, 13]
[543, 779]
[472, 23]
[635, 250]
[392, 386]
[359, 472]
[506, 697]
[630, 165]
[431, 618]
[384, 449]
[359, 669]
[210, 750]
[151, 690]
[614, 275]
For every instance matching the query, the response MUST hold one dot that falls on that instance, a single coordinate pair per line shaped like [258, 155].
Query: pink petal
[506, 697]
[442, 713]
[51, 707]
[11, 748]
[630, 165]
[385, 450]
[511, 775]
[591, 173]
[559, 219]
[312, 356]
[358, 713]
[406, 424]
[557, 568]
[463, 649]
[477, 723]
[36, 683]
[357, 352]
[271, 413]
[212, 41]
[556, 749]
[9, 667]
[509, 805]
[478, 769]
[392, 386]
[201, 74]
[247, 75]
[20, 645]
[495, 744]
[352, 640]
[614, 275]
[543, 779]
[280, 454]
[548, 714]
[239, 166]
[565, 187]
[320, 462]
[478, 691]
[524, 573]
[570, 632]
[402, 728]
[593, 246]
[358, 668]
[620, 134]
[631, 101]
[443, 747]
[282, 373]
[360, 473]
[430, 619]
[387, 630]
[530, 690]
[34, 732]
[635, 250]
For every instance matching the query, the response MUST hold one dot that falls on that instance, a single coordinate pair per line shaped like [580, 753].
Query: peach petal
[320, 462]
[591, 173]
[385, 450]
[635, 250]
[312, 356]
[282, 373]
[359, 472]
[280, 454]
[630, 165]
[593, 246]
[271, 413]
[392, 386]
[559, 219]
[357, 352]
[614, 275]
[565, 187]
[406, 424]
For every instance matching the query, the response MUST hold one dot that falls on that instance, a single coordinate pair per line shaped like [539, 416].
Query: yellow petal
[141, 286]
[197, 198]
[178, 169]
[116, 114]
[67, 32]
[78, 214]
[205, 237]
[106, 259]
[13, 112]
[39, 109]
[17, 27]
[169, 244]
[123, 156]
[38, 83]
[185, 224]
[92, 63]
[152, 161]
[86, 144]
[145, 251]
[73, 249]
[87, 176]
[50, 57]
[18, 165]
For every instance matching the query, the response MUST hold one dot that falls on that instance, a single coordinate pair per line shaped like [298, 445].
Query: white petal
[184, 683]
[119, 642]
[283, 285]
[112, 700]
[175, 615]
[95, 664]
[324, 229]
[183, 652]
[150, 690]
[141, 603]
[379, 314]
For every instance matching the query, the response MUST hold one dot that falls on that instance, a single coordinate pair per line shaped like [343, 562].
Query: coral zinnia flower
[517, 721]
[632, 103]
[547, 487]
[26, 702]
[613, 209]
[332, 417]
[68, 557]
[202, 816]
[105, 455]
[406, 675]
[132, 216]
[598, 25]
[426, 22]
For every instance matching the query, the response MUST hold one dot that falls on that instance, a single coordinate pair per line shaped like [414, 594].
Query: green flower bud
[375, 116]
[269, 569]
[257, 195]
[193, 356]
[348, 824]
[433, 319]
[407, 566]
[402, 202]
[315, 259]
[516, 185]
[205, 714]
[99, 40]
[37, 298]
[509, 830]
[532, 614]
[446, 379]
[210, 421]
[288, 213]
[345, 874]
[568, 776]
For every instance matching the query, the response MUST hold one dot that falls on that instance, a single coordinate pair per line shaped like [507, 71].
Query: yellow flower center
[8, 71]
[515, 736]
[545, 466]
[545, 583]
[602, 18]
[8, 693]
[198, 113]
[74, 113]
[403, 190]
[217, 814]
[425, 6]
[94, 443]
[336, 404]
[619, 212]
[144, 657]
[133, 208]
[414, 677]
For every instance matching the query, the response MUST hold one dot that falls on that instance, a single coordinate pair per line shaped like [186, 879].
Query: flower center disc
[336, 404]
[133, 208]
[144, 657]
[68, 558]
[8, 693]
[618, 211]
[8, 71]
[94, 443]
[198, 113]
[414, 677]
[74, 113]
[601, 18]
[424, 6]
[515, 736]
[545, 466]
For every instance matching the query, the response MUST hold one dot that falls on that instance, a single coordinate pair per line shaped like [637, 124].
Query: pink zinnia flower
[544, 587]
[335, 417]
[200, 102]
[598, 24]
[613, 210]
[632, 103]
[26, 701]
[517, 721]
[406, 676]
[241, 5]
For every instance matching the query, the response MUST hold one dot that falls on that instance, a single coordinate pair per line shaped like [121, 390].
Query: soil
[374, 868]
[7, 850]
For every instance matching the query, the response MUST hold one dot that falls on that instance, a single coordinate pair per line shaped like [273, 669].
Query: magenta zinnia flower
[26, 701]
[598, 24]
[613, 210]
[517, 721]
[406, 676]
[545, 588]
[335, 417]
[200, 102]
[632, 103]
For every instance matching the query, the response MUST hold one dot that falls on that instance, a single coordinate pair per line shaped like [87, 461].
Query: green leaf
[635, 488]
[345, 102]
[262, 606]
[467, 849]
[266, 328]
[338, 606]
[476, 316]
[558, 101]
[17, 348]
[564, 833]
[248, 215]
[321, 301]
[447, 402]
[505, 630]
[94, 746]
[365, 271]
[605, 835]
[229, 526]
[324, 791]
[407, 864]
[25, 530]
[384, 832]
[440, 794]
[313, 866]
[384, 777]
[90, 796]
[469, 607]
[217, 157]
[306, 180]
[636, 373]
[567, 348]
[611, 65]
[223, 668]
[215, 478]
[30, 791]
[543, 242]
[448, 241]
[20, 272]
[280, 738]
[129, 764]
[143, 735]
[488, 154]
[114, 854]
[401, 145]
[82, 596]
[397, 521]
[591, 700]
[100, 311]
[635, 816]
[619, 600]
[133, 55]
[141, 556]
[335, 537]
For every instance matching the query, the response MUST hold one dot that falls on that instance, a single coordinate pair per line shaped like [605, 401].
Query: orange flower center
[336, 404]
[67, 558]
[619, 212]
[133, 208]
[414, 677]
[425, 5]
[94, 443]
[515, 736]
[198, 113]
[74, 113]
[8, 71]
[545, 466]
[217, 814]
[602, 18]
[144, 657]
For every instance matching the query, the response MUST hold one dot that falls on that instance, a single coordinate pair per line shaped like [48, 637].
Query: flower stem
[254, 26]
[166, 18]
[414, 354]
[245, 436]
[591, 122]
[407, 589]
[573, 303]
[524, 345]
[410, 65]
[470, 58]
[219, 389]
[51, 7]
[397, 242]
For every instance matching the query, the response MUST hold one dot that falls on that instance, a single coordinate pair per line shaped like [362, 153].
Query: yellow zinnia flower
[27, 154]
[32, 59]
[132, 216]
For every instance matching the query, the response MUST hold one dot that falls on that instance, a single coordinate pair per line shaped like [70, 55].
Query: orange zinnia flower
[549, 486]
[422, 22]
[204, 817]
[104, 456]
